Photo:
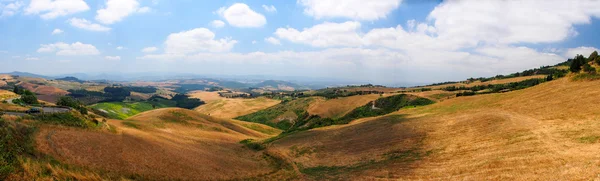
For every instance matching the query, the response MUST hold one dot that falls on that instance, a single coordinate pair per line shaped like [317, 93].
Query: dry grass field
[4, 94]
[335, 108]
[492, 82]
[164, 144]
[547, 132]
[230, 107]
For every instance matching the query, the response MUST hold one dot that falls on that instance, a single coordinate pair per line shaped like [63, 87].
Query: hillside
[221, 107]
[336, 108]
[527, 134]
[182, 144]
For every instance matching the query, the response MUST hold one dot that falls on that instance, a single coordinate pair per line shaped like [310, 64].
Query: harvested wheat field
[163, 144]
[547, 132]
[335, 108]
[221, 107]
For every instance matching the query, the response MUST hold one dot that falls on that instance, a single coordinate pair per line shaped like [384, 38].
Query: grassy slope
[182, 144]
[281, 116]
[546, 132]
[336, 108]
[230, 108]
[120, 110]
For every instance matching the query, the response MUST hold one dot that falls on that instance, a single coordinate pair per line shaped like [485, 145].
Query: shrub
[252, 145]
[67, 119]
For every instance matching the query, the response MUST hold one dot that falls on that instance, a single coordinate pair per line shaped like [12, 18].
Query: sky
[378, 41]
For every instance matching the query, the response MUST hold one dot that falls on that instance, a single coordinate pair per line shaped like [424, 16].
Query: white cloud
[112, 57]
[57, 31]
[87, 25]
[196, 40]
[32, 58]
[10, 9]
[115, 10]
[273, 41]
[144, 9]
[508, 22]
[254, 42]
[352, 9]
[76, 48]
[324, 35]
[50, 9]
[240, 15]
[120, 48]
[585, 51]
[217, 23]
[149, 49]
[270, 8]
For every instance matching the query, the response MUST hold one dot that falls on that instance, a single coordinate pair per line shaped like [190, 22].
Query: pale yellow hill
[163, 144]
[547, 132]
[230, 107]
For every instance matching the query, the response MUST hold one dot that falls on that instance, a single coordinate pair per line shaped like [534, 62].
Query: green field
[121, 110]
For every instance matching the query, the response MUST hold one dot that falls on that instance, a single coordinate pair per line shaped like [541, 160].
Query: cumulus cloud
[270, 8]
[115, 10]
[32, 58]
[324, 35]
[240, 15]
[76, 48]
[585, 51]
[87, 25]
[273, 41]
[352, 9]
[120, 48]
[149, 49]
[217, 23]
[50, 9]
[197, 40]
[112, 57]
[508, 22]
[57, 31]
[10, 9]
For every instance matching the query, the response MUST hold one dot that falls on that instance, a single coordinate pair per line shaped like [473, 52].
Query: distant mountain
[71, 79]
[27, 74]
[278, 84]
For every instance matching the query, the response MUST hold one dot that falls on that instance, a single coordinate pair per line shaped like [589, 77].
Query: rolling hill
[545, 132]
[221, 107]
[182, 144]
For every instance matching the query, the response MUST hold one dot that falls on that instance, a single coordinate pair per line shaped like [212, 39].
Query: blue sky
[379, 41]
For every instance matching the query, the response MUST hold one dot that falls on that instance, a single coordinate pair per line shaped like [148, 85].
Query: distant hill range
[71, 79]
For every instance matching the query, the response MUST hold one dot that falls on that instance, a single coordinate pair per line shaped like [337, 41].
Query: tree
[29, 99]
[68, 101]
[576, 63]
[549, 78]
[589, 69]
[593, 56]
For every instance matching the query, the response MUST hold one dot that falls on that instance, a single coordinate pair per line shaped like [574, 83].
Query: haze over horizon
[382, 42]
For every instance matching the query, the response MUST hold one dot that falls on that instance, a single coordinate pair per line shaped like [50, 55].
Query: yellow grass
[492, 82]
[547, 132]
[4, 94]
[230, 107]
[335, 108]
[191, 147]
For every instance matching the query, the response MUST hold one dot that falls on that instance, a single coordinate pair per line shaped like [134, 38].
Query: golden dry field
[547, 132]
[335, 108]
[171, 144]
[221, 107]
